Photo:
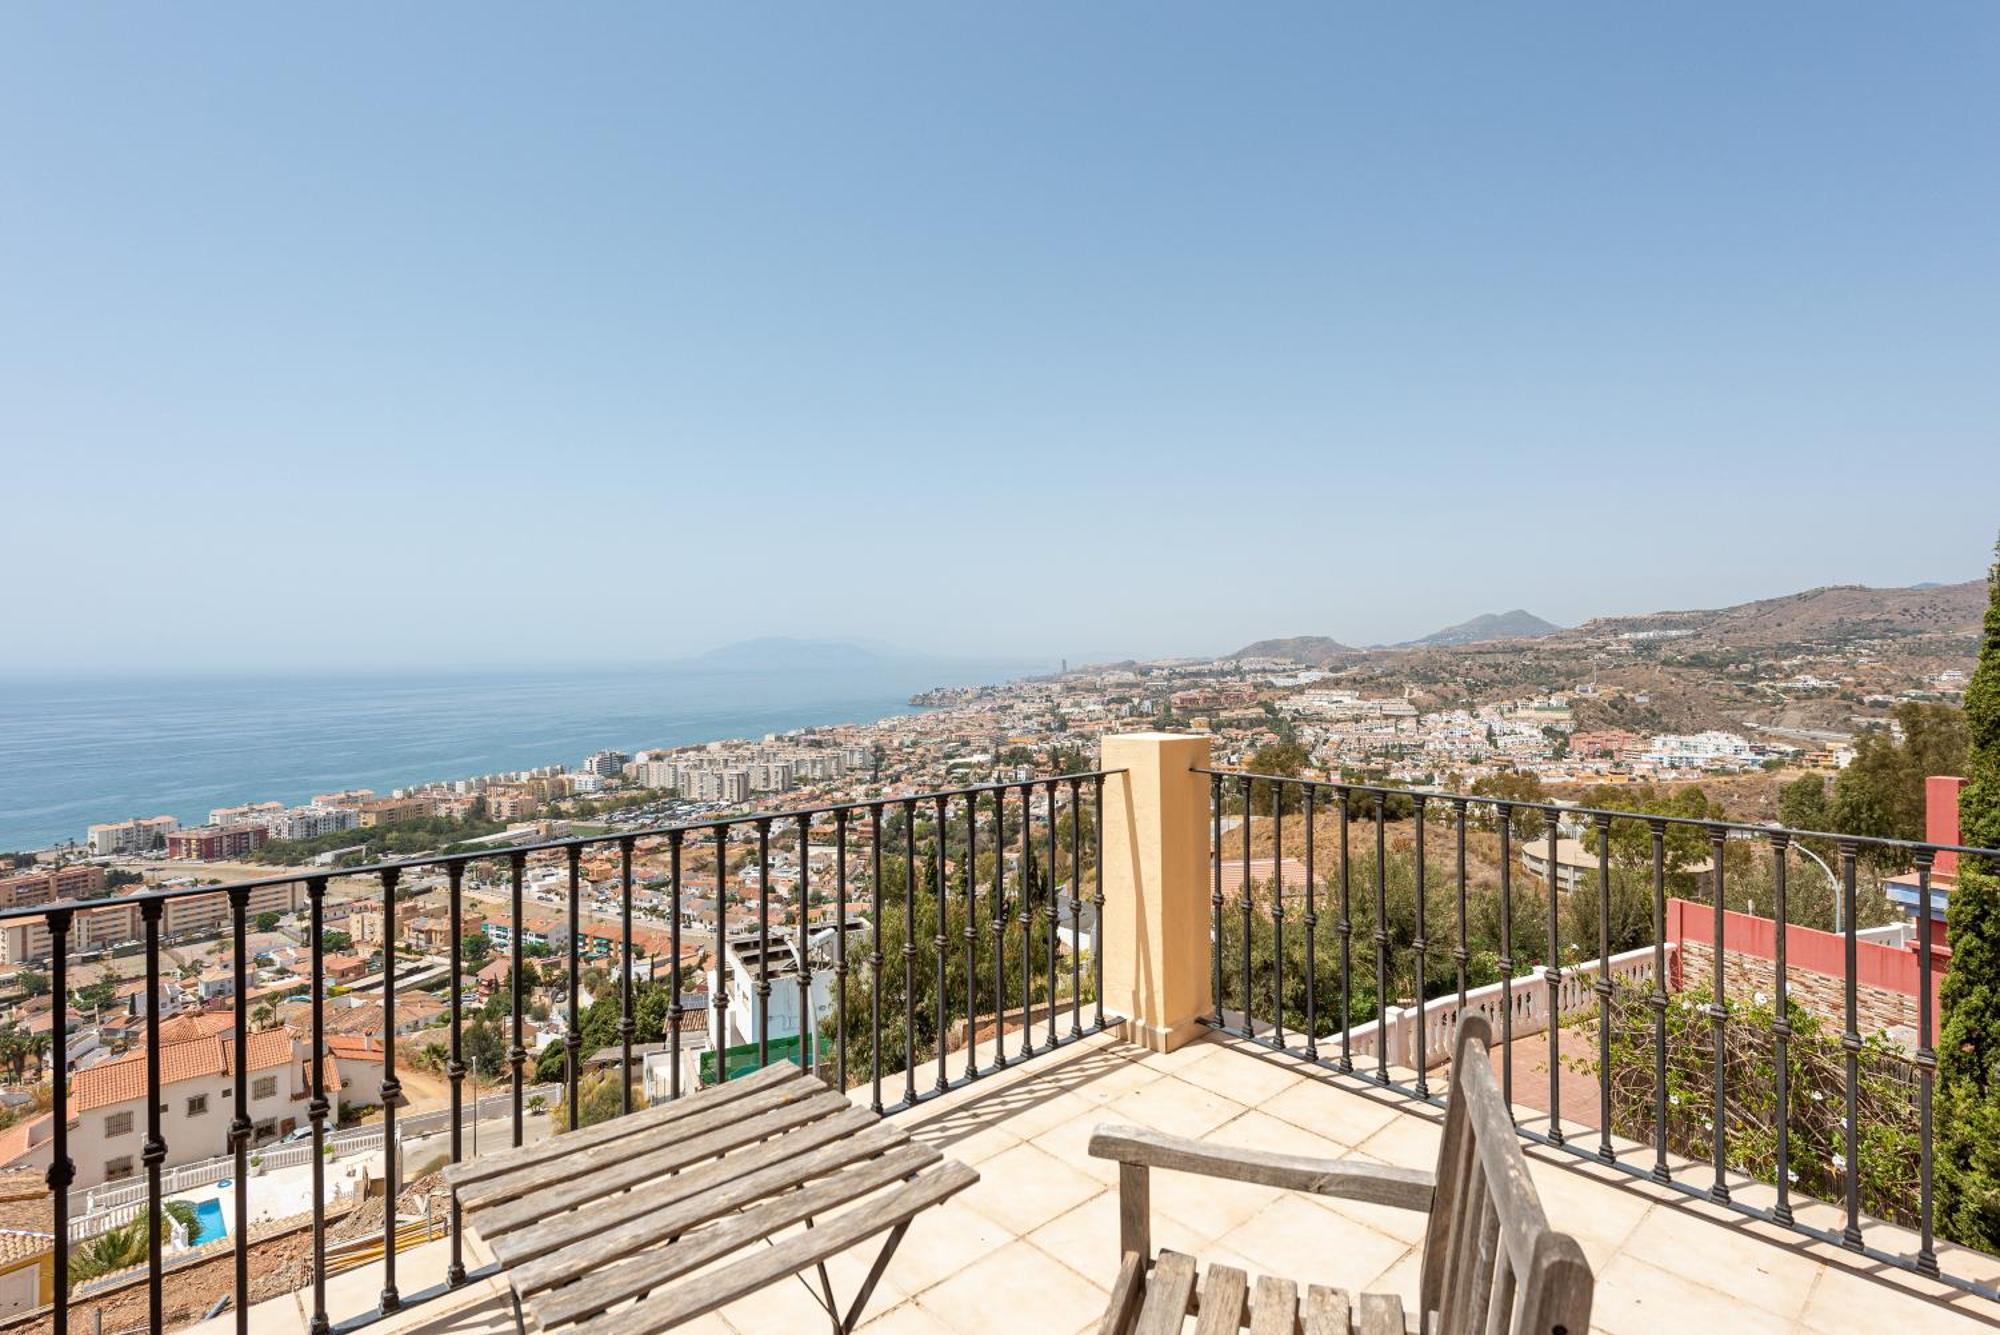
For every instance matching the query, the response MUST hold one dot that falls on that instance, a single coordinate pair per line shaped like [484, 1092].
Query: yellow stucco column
[1156, 886]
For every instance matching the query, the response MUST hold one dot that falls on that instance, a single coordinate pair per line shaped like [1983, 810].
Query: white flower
[1819, 1096]
[1791, 1176]
[1674, 1099]
[1761, 998]
[1840, 1162]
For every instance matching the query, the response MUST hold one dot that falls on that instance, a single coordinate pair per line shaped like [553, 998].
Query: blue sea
[78, 751]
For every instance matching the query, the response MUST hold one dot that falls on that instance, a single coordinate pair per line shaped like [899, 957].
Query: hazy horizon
[499, 337]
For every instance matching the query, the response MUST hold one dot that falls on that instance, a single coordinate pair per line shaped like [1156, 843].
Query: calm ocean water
[80, 751]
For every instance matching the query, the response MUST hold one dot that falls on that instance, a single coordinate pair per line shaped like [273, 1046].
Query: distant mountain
[1839, 613]
[1518, 624]
[1298, 648]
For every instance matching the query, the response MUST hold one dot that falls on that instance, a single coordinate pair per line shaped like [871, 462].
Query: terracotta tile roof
[123, 1079]
[21, 1137]
[18, 1245]
[353, 1047]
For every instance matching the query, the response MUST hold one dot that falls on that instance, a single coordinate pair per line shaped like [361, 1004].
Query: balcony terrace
[1154, 1010]
[1033, 1247]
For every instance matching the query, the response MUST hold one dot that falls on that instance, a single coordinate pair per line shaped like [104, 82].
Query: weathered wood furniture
[645, 1207]
[1491, 1263]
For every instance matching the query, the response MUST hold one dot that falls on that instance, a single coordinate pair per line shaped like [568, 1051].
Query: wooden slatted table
[644, 1222]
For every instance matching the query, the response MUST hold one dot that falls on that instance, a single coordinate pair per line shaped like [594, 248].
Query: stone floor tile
[942, 1242]
[1635, 1297]
[1173, 1106]
[1246, 1078]
[1023, 1188]
[1775, 1278]
[1842, 1302]
[1326, 1106]
[1295, 1239]
[1018, 1288]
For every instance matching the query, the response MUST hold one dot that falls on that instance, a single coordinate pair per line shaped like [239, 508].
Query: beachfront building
[130, 836]
[114, 922]
[79, 881]
[210, 843]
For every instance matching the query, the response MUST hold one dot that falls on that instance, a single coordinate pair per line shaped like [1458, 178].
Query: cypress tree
[1967, 1153]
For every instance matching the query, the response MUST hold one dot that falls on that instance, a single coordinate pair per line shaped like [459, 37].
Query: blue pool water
[208, 1222]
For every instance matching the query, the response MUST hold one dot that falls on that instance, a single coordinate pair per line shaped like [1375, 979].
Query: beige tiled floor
[1033, 1247]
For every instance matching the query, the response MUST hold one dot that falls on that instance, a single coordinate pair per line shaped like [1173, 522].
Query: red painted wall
[1892, 968]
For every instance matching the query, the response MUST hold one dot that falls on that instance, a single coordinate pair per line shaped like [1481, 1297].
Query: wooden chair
[1491, 1263]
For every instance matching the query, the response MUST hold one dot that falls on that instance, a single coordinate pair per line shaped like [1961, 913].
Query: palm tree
[265, 1015]
[124, 1246]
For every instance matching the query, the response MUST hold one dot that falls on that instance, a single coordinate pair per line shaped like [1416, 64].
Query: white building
[131, 836]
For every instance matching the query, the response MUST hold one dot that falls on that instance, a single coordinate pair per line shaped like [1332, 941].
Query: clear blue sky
[392, 323]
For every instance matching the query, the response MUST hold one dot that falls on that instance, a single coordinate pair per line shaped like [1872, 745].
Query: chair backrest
[1492, 1264]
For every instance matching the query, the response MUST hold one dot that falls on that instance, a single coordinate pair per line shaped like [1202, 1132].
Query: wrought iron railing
[1251, 999]
[1022, 821]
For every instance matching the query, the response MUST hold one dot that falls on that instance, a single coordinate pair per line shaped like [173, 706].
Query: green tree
[124, 1246]
[1802, 803]
[475, 949]
[1285, 759]
[267, 922]
[1881, 792]
[33, 981]
[1968, 1122]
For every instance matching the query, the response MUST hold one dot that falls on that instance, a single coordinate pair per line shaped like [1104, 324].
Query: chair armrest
[1377, 1184]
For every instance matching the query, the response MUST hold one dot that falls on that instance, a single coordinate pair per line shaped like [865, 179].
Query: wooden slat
[788, 1256]
[1274, 1307]
[551, 1198]
[1327, 1311]
[1167, 1295]
[708, 1190]
[588, 1249]
[650, 1120]
[1123, 1312]
[617, 1275]
[546, 1172]
[1378, 1184]
[1381, 1314]
[1221, 1302]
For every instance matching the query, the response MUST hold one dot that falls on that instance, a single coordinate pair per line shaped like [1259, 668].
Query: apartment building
[310, 822]
[210, 843]
[505, 804]
[130, 836]
[392, 811]
[113, 922]
[250, 813]
[80, 881]
[607, 764]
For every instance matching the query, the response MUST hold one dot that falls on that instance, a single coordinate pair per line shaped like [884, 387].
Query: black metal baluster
[517, 1052]
[718, 1004]
[626, 1023]
[573, 1021]
[1244, 912]
[1927, 1263]
[875, 889]
[1054, 913]
[971, 936]
[1420, 946]
[455, 1068]
[909, 954]
[1554, 977]
[1718, 1015]
[998, 926]
[1505, 815]
[1027, 923]
[1277, 912]
[319, 1107]
[1850, 1046]
[62, 1169]
[1346, 928]
[840, 949]
[802, 896]
[674, 944]
[1312, 931]
[1381, 940]
[1659, 1002]
[239, 1125]
[763, 943]
[1781, 1032]
[1097, 902]
[1075, 910]
[943, 895]
[392, 1093]
[1215, 899]
[154, 1154]
[1604, 1151]
[1460, 955]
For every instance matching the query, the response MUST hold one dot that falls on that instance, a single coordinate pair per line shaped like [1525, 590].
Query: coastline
[89, 751]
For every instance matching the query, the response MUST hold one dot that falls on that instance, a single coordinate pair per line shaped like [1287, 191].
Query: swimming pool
[208, 1224]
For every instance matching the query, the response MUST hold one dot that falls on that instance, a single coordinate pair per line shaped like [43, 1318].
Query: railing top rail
[751, 818]
[1559, 809]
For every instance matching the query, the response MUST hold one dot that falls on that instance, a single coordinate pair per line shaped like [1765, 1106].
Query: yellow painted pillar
[1157, 880]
